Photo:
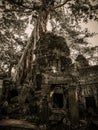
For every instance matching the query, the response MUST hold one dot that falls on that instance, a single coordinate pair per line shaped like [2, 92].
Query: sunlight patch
[29, 29]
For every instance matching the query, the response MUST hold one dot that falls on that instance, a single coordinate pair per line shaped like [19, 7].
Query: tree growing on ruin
[63, 15]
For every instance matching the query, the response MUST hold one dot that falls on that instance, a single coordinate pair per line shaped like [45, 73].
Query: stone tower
[53, 79]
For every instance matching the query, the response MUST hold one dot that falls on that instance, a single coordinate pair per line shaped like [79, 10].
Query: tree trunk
[43, 18]
[24, 67]
[20, 68]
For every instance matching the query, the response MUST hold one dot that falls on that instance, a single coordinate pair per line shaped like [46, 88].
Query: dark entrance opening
[90, 102]
[90, 107]
[13, 93]
[58, 101]
[38, 81]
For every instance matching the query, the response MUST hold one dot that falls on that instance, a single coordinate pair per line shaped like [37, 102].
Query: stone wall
[1, 85]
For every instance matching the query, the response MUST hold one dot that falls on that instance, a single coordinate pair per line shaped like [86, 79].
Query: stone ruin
[61, 90]
[53, 77]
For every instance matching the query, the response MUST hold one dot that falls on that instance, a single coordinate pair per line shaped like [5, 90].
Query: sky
[93, 27]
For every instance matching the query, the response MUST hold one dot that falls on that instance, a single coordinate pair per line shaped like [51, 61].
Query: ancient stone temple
[62, 92]
[54, 79]
[68, 90]
[88, 91]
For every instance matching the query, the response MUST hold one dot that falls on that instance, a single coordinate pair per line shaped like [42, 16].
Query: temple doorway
[90, 102]
[58, 101]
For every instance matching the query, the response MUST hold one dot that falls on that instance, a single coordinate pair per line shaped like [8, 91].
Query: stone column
[97, 95]
[73, 106]
[1, 83]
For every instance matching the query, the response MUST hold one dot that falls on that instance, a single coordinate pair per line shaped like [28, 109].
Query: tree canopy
[18, 17]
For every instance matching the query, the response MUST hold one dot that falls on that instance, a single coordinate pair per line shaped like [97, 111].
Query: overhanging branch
[60, 5]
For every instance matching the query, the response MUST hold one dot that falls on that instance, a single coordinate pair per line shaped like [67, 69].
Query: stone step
[13, 124]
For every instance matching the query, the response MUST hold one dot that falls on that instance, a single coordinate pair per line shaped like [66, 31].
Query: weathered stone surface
[1, 86]
[73, 106]
[60, 90]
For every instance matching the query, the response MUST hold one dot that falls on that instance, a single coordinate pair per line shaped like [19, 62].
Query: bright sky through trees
[93, 27]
